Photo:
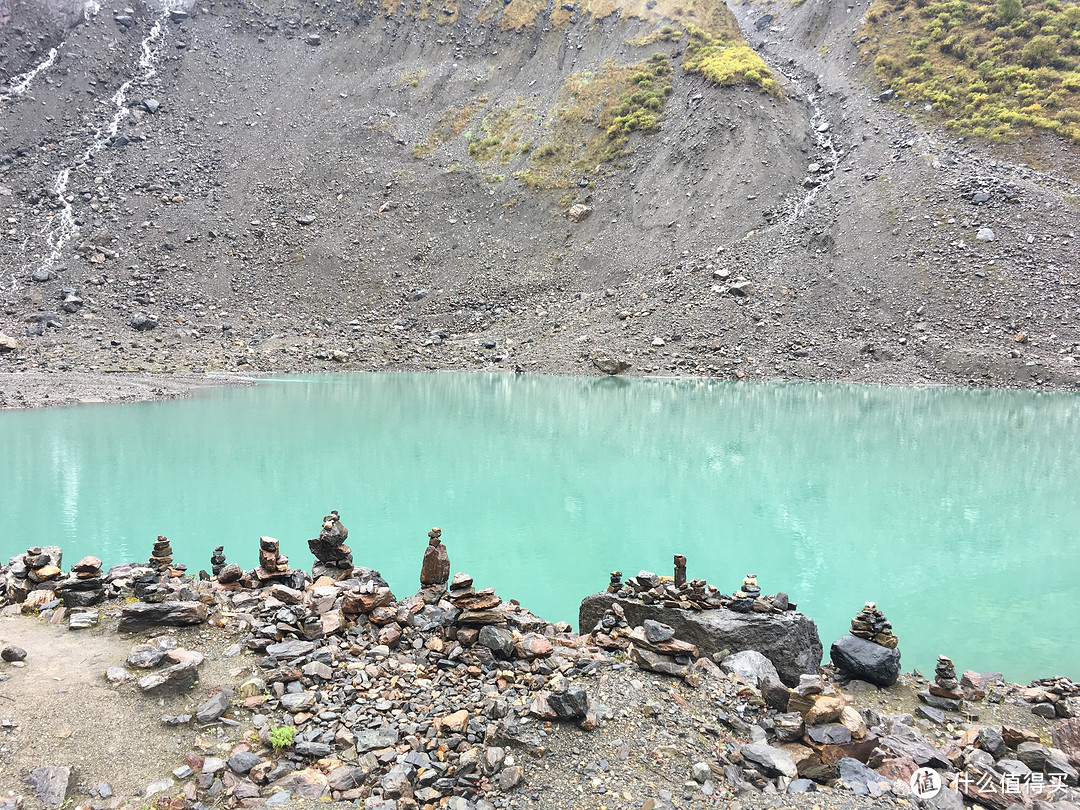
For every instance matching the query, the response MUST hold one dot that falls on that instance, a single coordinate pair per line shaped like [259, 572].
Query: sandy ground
[39, 389]
[65, 713]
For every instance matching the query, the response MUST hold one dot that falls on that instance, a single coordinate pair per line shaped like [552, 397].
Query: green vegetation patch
[665, 33]
[992, 68]
[726, 62]
[504, 135]
[450, 124]
[594, 116]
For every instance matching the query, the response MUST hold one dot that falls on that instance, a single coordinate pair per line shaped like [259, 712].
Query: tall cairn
[272, 564]
[161, 557]
[333, 557]
[217, 560]
[435, 571]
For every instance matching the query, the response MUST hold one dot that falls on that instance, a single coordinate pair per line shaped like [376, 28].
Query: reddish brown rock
[826, 709]
[533, 646]
[436, 567]
[1014, 736]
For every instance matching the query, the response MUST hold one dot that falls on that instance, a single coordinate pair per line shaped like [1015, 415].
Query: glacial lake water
[957, 511]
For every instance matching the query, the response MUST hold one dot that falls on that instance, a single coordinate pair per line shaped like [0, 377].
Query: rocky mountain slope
[287, 186]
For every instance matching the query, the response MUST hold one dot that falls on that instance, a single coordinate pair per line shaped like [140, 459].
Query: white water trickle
[63, 226]
[17, 84]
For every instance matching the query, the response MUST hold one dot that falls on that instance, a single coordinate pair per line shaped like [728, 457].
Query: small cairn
[435, 571]
[334, 558]
[43, 566]
[654, 648]
[479, 609]
[272, 564]
[217, 561]
[612, 630]
[945, 692]
[743, 599]
[616, 584]
[161, 558]
[869, 651]
[871, 624]
[85, 586]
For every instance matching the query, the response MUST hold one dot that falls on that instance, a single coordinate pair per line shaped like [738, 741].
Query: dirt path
[65, 713]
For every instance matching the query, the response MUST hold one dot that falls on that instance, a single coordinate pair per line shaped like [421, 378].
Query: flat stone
[297, 701]
[171, 680]
[290, 649]
[141, 615]
[52, 784]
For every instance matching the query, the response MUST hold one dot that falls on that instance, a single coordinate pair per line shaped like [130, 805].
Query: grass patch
[665, 33]
[594, 116]
[727, 63]
[411, 78]
[450, 124]
[504, 134]
[996, 69]
[521, 14]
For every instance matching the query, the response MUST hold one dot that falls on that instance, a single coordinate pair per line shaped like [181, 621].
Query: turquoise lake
[957, 511]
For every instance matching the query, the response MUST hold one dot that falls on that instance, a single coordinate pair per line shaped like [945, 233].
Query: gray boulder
[790, 640]
[865, 660]
[772, 760]
[751, 666]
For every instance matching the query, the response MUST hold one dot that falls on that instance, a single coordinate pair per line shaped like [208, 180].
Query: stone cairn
[334, 558]
[161, 558]
[871, 624]
[217, 561]
[272, 564]
[435, 571]
[945, 692]
[85, 586]
[612, 632]
[695, 594]
[654, 647]
[36, 571]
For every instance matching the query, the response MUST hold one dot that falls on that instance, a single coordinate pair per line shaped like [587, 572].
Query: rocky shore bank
[149, 685]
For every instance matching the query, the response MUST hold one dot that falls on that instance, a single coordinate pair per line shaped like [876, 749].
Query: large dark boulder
[858, 658]
[790, 640]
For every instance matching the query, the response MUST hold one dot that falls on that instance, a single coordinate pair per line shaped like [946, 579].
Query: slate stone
[243, 761]
[145, 656]
[656, 632]
[497, 639]
[773, 760]
[790, 640]
[829, 734]
[290, 649]
[171, 680]
[854, 772]
[141, 615]
[52, 784]
[213, 708]
[865, 660]
[573, 704]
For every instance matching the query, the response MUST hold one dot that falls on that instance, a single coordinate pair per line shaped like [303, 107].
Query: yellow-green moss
[727, 63]
[991, 68]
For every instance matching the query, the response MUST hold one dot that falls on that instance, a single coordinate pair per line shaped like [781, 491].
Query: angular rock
[171, 680]
[497, 639]
[772, 760]
[865, 660]
[52, 784]
[140, 615]
[790, 640]
[573, 704]
[145, 656]
[212, 709]
[751, 666]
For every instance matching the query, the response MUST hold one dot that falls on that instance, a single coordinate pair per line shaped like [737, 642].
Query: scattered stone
[578, 212]
[52, 784]
[12, 652]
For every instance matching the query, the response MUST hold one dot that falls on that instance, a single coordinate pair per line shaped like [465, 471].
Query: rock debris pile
[446, 698]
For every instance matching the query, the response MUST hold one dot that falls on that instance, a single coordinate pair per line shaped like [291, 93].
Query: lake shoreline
[27, 390]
